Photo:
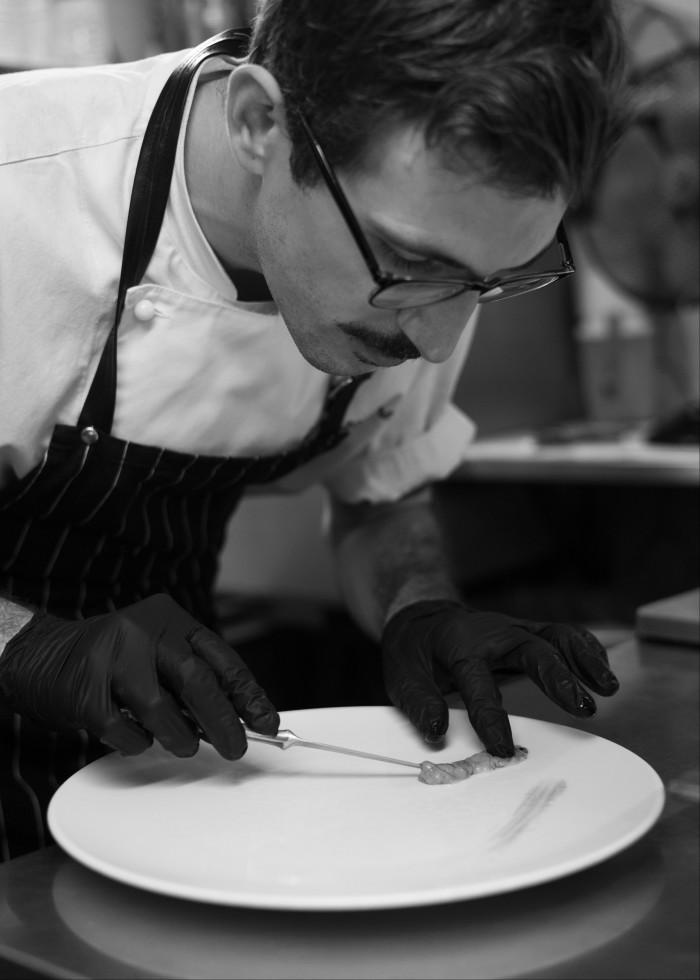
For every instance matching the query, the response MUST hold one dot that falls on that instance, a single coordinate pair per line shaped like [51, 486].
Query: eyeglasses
[399, 292]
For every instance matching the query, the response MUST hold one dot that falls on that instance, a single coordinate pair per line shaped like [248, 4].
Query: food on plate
[442, 773]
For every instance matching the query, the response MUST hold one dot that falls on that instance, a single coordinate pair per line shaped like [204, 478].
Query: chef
[222, 269]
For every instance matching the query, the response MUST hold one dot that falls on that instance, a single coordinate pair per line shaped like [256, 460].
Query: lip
[377, 359]
[371, 356]
[369, 346]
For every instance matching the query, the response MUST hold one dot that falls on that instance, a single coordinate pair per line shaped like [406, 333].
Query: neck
[219, 190]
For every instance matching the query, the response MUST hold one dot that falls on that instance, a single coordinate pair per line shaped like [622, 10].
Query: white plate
[302, 829]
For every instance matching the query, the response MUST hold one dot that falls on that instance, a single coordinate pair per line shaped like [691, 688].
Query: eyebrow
[435, 254]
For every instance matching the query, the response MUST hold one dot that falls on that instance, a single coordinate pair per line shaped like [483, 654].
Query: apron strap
[149, 198]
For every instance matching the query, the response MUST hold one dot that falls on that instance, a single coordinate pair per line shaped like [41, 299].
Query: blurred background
[39, 33]
[579, 498]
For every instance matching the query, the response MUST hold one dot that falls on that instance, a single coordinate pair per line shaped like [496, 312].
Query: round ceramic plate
[305, 829]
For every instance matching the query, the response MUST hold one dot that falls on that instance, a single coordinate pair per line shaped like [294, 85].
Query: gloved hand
[434, 646]
[126, 676]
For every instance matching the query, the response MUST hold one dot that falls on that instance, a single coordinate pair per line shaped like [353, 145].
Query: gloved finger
[159, 713]
[100, 712]
[216, 718]
[482, 699]
[584, 655]
[414, 692]
[122, 733]
[194, 684]
[543, 665]
[235, 678]
[136, 686]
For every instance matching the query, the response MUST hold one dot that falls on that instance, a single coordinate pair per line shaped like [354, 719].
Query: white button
[144, 310]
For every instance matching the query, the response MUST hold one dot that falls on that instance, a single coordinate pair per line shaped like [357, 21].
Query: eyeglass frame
[385, 280]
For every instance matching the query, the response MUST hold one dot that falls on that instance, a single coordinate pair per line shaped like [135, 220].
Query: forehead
[406, 187]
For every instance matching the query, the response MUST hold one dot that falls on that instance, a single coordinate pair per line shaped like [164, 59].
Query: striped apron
[103, 522]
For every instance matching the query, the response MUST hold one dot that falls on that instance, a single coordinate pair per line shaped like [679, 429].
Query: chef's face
[420, 220]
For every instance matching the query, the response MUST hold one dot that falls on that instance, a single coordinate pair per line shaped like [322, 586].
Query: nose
[435, 330]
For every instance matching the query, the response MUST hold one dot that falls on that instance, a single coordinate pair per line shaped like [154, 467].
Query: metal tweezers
[285, 739]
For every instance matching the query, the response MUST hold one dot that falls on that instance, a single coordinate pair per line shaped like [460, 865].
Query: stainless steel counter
[634, 916]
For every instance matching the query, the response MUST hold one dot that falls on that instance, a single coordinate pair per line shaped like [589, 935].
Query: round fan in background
[640, 225]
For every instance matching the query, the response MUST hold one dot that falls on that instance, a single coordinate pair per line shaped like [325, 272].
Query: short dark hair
[531, 88]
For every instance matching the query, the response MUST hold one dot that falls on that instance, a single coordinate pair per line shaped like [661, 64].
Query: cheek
[306, 258]
[282, 244]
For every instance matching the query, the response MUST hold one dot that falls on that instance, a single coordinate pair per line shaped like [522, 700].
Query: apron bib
[103, 522]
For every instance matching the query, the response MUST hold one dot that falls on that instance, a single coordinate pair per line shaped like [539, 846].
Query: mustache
[397, 347]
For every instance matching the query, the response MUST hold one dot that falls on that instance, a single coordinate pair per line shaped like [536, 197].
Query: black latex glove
[434, 646]
[126, 677]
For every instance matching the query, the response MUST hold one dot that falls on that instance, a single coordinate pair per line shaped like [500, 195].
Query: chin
[320, 356]
[346, 366]
[321, 341]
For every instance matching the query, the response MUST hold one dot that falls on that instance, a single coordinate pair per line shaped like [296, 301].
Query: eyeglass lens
[419, 293]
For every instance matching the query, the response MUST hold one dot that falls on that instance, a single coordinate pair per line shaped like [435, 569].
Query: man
[291, 305]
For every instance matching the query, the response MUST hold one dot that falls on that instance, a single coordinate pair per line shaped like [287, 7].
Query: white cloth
[198, 371]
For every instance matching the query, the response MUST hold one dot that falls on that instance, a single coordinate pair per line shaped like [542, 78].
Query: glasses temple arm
[342, 202]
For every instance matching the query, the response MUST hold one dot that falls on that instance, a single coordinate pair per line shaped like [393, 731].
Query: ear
[254, 116]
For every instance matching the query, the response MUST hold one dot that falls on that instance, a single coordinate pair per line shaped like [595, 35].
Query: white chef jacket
[198, 371]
